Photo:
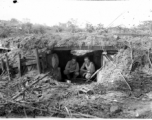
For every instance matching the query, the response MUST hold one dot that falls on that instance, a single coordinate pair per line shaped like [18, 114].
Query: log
[21, 104]
[29, 62]
[102, 62]
[73, 114]
[111, 48]
[2, 65]
[37, 80]
[19, 65]
[7, 66]
[97, 71]
[38, 61]
[109, 56]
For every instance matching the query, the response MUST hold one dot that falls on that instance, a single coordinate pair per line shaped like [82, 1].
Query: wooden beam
[85, 48]
[111, 52]
[2, 65]
[105, 59]
[30, 57]
[4, 48]
[37, 61]
[19, 65]
[102, 62]
[109, 57]
[7, 67]
[30, 62]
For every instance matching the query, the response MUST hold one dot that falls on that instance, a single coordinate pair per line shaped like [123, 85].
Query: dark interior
[65, 56]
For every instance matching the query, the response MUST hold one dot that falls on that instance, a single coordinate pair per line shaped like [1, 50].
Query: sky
[52, 12]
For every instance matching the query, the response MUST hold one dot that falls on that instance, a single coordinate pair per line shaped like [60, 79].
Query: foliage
[26, 34]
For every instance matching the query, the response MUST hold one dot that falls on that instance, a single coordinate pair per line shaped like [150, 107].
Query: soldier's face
[73, 60]
[86, 60]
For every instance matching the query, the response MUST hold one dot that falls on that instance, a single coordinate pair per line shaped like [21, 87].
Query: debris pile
[26, 94]
[115, 70]
[36, 95]
[123, 74]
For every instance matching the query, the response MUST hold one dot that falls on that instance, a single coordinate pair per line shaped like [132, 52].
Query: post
[102, 62]
[7, 67]
[19, 65]
[2, 65]
[103, 57]
[110, 57]
[37, 61]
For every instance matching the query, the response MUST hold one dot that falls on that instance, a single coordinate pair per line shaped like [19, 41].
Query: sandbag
[55, 61]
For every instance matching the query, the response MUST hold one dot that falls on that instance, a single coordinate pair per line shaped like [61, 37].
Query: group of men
[72, 68]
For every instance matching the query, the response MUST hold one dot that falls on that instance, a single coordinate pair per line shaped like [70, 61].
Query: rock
[82, 91]
[137, 92]
[68, 81]
[90, 92]
[114, 108]
[86, 91]
[93, 97]
[20, 98]
[149, 95]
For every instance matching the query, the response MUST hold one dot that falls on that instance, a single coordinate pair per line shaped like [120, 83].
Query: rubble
[114, 108]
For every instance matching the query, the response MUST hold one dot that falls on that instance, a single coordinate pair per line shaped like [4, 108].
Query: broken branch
[37, 80]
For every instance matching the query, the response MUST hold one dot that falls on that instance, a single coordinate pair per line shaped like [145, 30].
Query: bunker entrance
[66, 55]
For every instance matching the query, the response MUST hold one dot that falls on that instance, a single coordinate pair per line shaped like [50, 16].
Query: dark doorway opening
[65, 55]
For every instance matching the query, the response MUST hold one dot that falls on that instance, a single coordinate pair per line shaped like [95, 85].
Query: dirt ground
[90, 100]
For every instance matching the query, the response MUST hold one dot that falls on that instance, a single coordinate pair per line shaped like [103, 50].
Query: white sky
[51, 12]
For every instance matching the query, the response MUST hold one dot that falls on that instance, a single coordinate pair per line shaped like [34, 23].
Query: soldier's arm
[82, 68]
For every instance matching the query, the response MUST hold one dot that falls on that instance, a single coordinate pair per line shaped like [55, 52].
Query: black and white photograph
[76, 59]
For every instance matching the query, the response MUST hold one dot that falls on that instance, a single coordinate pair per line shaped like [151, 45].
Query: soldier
[87, 68]
[72, 68]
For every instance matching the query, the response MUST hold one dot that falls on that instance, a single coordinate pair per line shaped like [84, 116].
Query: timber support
[7, 67]
[19, 65]
[37, 61]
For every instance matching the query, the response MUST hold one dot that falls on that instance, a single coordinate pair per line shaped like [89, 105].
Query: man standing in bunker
[72, 68]
[87, 68]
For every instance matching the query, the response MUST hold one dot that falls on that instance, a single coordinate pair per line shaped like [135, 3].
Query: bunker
[94, 53]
